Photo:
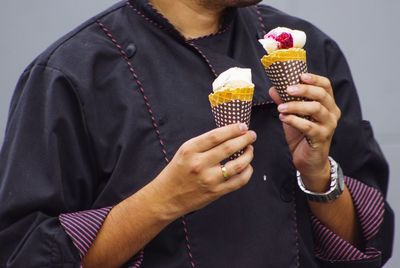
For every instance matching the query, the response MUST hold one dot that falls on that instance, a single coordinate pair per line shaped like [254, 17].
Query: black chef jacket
[100, 113]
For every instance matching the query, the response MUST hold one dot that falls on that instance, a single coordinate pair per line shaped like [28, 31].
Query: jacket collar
[148, 10]
[220, 61]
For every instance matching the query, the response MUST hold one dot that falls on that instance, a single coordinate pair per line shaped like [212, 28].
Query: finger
[236, 182]
[229, 147]
[311, 130]
[307, 108]
[319, 81]
[314, 93]
[236, 166]
[275, 96]
[216, 136]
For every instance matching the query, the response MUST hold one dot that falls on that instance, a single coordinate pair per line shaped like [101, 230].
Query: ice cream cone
[284, 68]
[232, 106]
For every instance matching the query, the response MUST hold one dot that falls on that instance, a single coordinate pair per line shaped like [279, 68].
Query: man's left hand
[309, 140]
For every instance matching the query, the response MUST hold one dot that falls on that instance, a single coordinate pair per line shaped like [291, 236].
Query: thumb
[275, 96]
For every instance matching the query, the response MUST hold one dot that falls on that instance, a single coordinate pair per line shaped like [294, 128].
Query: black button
[131, 50]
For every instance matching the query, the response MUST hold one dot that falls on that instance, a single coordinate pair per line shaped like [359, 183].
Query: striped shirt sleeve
[369, 205]
[83, 226]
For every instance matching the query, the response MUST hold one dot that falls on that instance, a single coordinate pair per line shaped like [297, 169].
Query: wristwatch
[336, 186]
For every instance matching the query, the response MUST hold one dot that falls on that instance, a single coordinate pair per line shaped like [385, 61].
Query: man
[111, 156]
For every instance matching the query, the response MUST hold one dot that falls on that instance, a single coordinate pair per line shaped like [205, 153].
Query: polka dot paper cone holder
[232, 106]
[284, 68]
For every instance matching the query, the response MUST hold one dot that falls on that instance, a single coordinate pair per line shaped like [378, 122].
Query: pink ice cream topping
[285, 40]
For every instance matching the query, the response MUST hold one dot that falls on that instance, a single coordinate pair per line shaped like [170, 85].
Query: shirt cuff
[369, 205]
[82, 227]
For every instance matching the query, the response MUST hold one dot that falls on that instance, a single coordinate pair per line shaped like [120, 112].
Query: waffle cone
[232, 106]
[223, 96]
[284, 68]
[284, 55]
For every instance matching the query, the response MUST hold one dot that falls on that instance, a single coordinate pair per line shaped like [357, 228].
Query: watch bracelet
[335, 187]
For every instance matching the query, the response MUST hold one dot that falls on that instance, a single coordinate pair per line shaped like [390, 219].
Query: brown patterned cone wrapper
[232, 106]
[284, 68]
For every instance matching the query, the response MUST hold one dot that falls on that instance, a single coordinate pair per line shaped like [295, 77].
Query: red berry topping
[285, 40]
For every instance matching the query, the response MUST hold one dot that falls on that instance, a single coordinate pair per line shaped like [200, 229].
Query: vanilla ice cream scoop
[233, 78]
[283, 38]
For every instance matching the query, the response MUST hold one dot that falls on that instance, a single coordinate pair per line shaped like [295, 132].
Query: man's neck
[189, 17]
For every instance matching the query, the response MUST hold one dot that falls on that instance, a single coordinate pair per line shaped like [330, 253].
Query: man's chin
[228, 3]
[242, 3]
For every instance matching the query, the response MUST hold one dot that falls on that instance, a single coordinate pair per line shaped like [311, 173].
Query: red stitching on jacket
[221, 31]
[188, 242]
[295, 226]
[261, 20]
[144, 16]
[187, 41]
[136, 78]
[204, 57]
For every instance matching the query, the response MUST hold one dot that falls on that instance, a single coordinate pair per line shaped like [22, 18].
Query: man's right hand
[192, 180]
[194, 177]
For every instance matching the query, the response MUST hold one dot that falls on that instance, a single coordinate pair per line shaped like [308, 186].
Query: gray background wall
[364, 29]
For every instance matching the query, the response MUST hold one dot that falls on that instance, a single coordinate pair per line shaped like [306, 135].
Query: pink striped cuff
[369, 205]
[83, 226]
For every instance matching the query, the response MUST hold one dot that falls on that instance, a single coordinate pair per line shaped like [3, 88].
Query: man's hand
[310, 140]
[190, 181]
[194, 178]
[311, 157]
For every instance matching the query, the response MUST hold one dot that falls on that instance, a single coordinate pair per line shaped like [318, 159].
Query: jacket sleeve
[369, 206]
[46, 168]
[82, 227]
[360, 156]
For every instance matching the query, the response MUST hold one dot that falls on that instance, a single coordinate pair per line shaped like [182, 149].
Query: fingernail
[242, 127]
[306, 77]
[292, 89]
[253, 135]
[282, 107]
[282, 116]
